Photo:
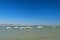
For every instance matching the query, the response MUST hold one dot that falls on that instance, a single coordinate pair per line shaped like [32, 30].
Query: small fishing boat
[39, 27]
[16, 27]
[8, 28]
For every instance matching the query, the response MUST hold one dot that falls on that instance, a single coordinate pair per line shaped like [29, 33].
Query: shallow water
[30, 34]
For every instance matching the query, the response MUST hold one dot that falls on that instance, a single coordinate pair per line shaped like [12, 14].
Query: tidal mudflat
[30, 34]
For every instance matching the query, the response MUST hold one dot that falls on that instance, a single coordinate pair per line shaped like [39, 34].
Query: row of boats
[39, 27]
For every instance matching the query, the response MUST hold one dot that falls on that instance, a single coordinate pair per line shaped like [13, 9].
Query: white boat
[25, 27]
[28, 27]
[16, 27]
[39, 27]
[8, 27]
[22, 27]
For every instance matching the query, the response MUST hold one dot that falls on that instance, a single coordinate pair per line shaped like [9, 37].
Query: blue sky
[46, 12]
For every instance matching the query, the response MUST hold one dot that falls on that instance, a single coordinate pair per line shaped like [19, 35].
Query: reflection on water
[30, 34]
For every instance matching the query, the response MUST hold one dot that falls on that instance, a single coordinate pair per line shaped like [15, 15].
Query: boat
[8, 28]
[39, 27]
[16, 27]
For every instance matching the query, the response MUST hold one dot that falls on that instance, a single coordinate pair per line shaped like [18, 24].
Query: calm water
[30, 34]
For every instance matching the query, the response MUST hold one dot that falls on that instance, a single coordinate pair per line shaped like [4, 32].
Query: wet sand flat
[30, 34]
